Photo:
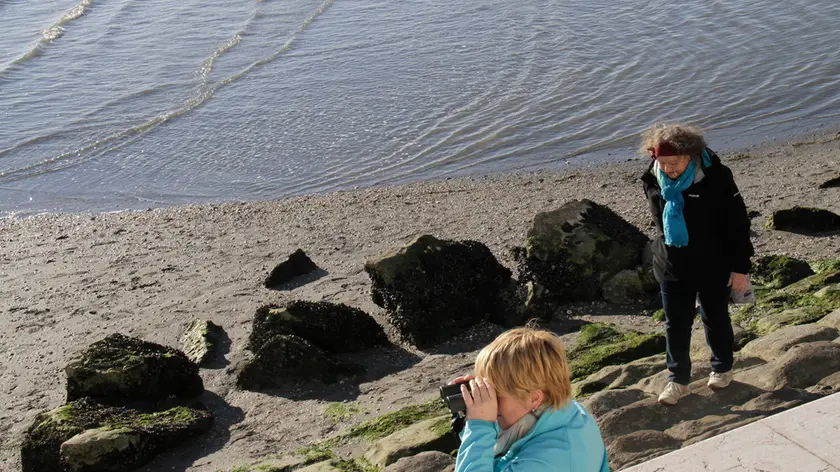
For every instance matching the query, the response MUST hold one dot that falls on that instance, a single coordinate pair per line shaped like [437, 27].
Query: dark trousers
[678, 299]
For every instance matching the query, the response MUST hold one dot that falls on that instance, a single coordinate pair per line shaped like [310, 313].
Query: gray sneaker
[672, 393]
[719, 379]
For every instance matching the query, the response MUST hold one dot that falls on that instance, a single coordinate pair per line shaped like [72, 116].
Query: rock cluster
[97, 430]
[297, 341]
[789, 354]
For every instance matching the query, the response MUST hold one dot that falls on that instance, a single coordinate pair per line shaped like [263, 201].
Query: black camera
[451, 395]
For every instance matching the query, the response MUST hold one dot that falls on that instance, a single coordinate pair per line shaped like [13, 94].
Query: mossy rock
[825, 265]
[286, 359]
[148, 433]
[775, 271]
[333, 327]
[433, 289]
[571, 251]
[381, 426]
[813, 283]
[123, 368]
[602, 345]
[430, 435]
[801, 295]
[791, 317]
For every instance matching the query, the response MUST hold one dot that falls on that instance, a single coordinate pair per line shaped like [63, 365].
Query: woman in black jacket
[702, 248]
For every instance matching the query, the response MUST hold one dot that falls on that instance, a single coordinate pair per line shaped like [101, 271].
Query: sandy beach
[70, 279]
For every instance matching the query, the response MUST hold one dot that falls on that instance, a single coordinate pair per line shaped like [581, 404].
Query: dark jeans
[678, 299]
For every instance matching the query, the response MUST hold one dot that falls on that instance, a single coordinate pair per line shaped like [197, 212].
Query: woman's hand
[481, 400]
[738, 282]
[462, 379]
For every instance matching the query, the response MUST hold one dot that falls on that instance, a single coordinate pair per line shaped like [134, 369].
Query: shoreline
[599, 160]
[69, 279]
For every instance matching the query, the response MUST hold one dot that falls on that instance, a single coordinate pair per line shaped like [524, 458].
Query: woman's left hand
[480, 400]
[738, 282]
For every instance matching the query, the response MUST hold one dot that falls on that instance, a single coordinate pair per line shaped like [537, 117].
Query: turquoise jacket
[564, 440]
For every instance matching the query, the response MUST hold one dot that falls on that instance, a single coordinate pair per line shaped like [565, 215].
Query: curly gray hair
[688, 140]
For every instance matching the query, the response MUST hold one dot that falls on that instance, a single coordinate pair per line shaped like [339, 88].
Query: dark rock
[831, 183]
[571, 251]
[624, 287]
[73, 437]
[804, 220]
[200, 339]
[123, 368]
[289, 358]
[776, 271]
[296, 265]
[433, 289]
[333, 327]
[524, 304]
[430, 461]
[640, 446]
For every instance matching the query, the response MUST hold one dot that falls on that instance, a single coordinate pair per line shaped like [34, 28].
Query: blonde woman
[702, 249]
[520, 415]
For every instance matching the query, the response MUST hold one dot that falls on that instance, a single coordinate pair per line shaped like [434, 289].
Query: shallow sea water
[128, 104]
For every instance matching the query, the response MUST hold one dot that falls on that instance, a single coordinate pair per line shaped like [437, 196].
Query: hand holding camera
[472, 397]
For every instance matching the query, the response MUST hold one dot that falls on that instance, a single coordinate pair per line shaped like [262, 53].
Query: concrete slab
[815, 427]
[804, 439]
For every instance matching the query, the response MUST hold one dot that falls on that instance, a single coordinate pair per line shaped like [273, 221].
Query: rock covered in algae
[85, 436]
[573, 250]
[433, 289]
[123, 368]
[776, 271]
[333, 327]
[289, 358]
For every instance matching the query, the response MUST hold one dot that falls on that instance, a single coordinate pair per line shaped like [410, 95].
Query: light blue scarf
[673, 221]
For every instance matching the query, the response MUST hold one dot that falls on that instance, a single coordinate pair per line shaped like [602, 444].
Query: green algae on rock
[144, 434]
[571, 251]
[333, 327]
[433, 289]
[775, 271]
[602, 345]
[120, 367]
[434, 434]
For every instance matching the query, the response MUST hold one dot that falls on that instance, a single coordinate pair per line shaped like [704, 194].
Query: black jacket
[718, 227]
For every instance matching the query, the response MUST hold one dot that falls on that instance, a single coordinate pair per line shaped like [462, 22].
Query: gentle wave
[118, 140]
[51, 34]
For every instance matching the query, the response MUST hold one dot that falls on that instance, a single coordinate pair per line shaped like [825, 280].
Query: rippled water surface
[117, 104]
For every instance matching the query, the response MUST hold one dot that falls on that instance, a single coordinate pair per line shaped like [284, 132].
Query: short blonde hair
[524, 360]
[688, 140]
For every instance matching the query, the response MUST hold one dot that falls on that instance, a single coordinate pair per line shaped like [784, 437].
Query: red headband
[664, 149]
